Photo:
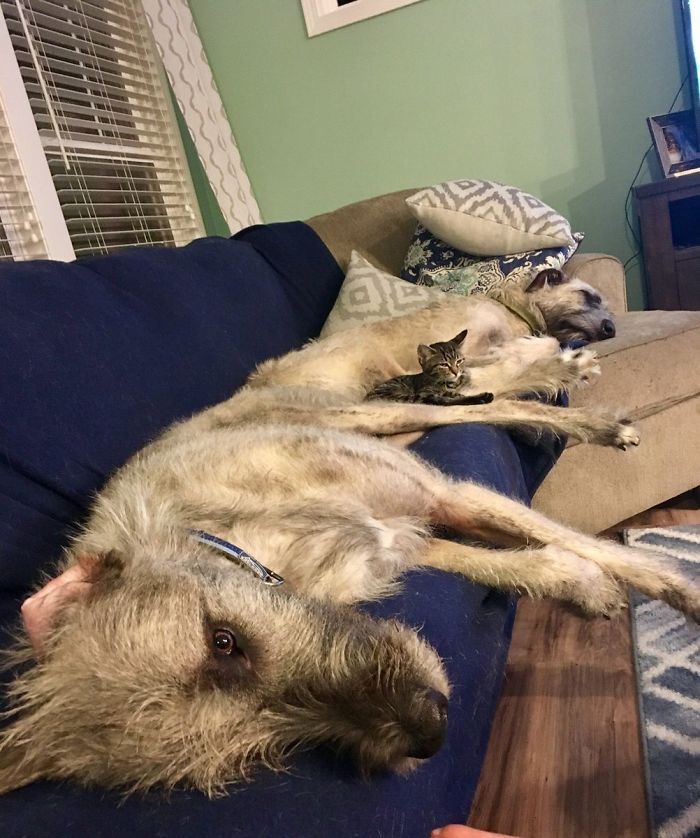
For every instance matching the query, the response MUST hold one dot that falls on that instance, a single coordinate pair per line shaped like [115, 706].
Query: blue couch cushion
[100, 355]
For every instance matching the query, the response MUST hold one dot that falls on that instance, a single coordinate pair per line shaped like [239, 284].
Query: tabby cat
[443, 374]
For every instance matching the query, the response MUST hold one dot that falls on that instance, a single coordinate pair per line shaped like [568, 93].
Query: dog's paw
[584, 584]
[678, 591]
[604, 600]
[691, 606]
[582, 365]
[626, 435]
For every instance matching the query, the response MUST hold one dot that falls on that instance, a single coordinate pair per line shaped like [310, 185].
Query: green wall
[549, 95]
[213, 219]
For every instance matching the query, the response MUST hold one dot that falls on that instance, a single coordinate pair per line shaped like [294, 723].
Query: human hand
[458, 831]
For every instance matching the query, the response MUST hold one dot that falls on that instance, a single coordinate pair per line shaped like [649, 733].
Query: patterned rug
[667, 651]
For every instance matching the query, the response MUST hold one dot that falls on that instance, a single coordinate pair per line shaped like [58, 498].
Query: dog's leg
[386, 418]
[480, 512]
[539, 572]
[531, 365]
[595, 426]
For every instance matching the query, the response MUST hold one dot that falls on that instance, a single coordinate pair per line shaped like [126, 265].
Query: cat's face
[443, 361]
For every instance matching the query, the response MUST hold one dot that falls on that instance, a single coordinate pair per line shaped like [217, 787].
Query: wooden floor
[564, 759]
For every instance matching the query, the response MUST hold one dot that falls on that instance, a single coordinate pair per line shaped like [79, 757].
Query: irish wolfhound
[170, 661]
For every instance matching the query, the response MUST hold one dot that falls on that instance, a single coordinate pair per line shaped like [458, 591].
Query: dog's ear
[40, 611]
[101, 567]
[459, 339]
[550, 276]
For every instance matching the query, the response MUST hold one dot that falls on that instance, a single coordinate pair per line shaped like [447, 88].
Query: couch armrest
[603, 272]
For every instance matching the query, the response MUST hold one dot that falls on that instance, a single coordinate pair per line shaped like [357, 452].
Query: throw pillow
[431, 262]
[488, 218]
[369, 294]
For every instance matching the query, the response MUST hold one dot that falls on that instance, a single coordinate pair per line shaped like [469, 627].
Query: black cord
[630, 260]
[629, 224]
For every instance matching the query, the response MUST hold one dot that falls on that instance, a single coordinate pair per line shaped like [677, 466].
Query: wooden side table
[669, 213]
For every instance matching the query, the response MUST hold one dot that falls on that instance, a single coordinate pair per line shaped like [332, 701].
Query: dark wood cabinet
[669, 214]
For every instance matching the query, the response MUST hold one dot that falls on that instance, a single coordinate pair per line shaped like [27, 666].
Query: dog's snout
[429, 724]
[607, 329]
[438, 702]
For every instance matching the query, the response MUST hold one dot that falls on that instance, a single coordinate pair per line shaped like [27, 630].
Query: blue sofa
[97, 357]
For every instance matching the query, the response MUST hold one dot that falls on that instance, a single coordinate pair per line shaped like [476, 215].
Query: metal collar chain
[267, 576]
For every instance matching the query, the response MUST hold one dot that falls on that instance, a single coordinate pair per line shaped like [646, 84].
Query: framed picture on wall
[676, 142]
[323, 15]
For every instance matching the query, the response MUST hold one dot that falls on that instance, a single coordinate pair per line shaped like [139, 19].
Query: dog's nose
[428, 725]
[607, 329]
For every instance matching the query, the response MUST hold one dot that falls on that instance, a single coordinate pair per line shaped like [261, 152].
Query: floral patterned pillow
[434, 263]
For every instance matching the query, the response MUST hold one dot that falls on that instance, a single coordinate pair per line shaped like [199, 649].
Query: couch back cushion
[99, 355]
[381, 228]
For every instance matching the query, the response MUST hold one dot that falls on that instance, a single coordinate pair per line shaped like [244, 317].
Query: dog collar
[535, 323]
[266, 576]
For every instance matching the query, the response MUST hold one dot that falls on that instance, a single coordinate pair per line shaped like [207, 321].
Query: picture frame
[323, 15]
[675, 140]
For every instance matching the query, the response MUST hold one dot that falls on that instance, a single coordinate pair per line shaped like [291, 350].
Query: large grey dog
[167, 661]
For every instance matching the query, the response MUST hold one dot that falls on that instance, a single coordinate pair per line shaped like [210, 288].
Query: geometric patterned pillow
[369, 294]
[431, 262]
[487, 218]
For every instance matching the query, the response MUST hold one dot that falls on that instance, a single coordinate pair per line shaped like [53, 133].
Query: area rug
[667, 652]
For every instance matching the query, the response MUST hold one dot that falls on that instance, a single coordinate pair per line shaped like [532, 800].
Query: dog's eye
[224, 642]
[227, 664]
[592, 299]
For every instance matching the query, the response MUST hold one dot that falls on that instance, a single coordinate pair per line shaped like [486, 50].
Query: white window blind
[102, 110]
[20, 236]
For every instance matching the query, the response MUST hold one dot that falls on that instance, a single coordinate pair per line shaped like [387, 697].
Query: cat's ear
[458, 340]
[425, 353]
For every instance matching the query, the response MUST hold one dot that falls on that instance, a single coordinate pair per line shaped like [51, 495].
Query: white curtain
[191, 78]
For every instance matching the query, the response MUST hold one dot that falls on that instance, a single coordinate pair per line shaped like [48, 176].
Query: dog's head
[189, 670]
[572, 309]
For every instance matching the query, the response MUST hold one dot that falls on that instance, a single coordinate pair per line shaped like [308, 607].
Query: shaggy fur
[134, 687]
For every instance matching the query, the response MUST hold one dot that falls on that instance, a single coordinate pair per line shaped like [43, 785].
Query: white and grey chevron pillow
[488, 218]
[368, 294]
